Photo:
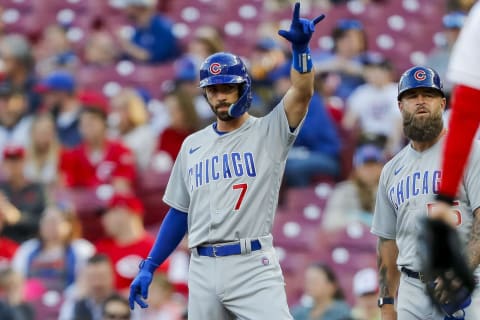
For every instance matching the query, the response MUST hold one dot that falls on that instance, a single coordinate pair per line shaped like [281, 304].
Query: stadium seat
[293, 266]
[88, 207]
[150, 187]
[292, 233]
[355, 236]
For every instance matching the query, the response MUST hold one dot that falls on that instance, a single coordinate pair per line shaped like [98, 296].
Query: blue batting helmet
[419, 77]
[227, 68]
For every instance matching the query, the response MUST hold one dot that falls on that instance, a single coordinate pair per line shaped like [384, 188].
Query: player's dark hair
[331, 277]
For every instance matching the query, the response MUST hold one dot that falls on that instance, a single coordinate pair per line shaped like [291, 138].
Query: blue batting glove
[301, 30]
[139, 286]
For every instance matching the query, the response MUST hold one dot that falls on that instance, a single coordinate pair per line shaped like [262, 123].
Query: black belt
[222, 250]
[413, 274]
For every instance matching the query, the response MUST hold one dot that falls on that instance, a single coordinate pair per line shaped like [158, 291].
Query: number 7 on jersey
[243, 187]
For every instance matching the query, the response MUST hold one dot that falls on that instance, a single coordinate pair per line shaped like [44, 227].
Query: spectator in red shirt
[97, 160]
[128, 242]
[8, 248]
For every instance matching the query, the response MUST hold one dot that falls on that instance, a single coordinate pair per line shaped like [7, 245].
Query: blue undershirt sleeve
[171, 232]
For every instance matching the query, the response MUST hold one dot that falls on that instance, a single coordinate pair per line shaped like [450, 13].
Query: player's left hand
[139, 289]
[139, 286]
[301, 30]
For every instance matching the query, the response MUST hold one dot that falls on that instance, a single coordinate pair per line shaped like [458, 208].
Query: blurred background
[96, 97]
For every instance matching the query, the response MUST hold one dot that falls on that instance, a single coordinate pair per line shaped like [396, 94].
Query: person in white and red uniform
[127, 241]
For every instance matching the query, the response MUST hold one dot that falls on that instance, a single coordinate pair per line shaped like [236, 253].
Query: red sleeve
[463, 125]
[65, 167]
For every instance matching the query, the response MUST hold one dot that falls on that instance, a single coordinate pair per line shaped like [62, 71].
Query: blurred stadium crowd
[96, 98]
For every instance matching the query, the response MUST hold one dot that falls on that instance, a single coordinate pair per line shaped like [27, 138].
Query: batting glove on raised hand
[139, 286]
[301, 30]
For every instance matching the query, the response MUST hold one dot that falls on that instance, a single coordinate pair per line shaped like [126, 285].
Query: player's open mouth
[422, 111]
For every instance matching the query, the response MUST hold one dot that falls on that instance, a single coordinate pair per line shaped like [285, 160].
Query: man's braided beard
[422, 129]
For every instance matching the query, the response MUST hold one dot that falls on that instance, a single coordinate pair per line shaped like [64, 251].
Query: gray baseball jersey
[406, 192]
[228, 184]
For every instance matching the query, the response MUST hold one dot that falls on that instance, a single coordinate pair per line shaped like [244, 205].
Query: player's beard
[422, 129]
[222, 115]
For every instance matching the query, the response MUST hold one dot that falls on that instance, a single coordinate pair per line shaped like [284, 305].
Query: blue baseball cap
[267, 44]
[349, 24]
[186, 69]
[57, 81]
[280, 72]
[454, 20]
[368, 153]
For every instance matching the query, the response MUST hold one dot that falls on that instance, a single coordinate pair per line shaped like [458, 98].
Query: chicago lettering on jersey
[410, 186]
[225, 166]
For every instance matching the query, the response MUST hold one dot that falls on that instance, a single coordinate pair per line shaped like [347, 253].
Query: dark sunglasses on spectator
[116, 316]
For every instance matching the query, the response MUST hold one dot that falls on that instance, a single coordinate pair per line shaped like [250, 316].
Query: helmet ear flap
[244, 101]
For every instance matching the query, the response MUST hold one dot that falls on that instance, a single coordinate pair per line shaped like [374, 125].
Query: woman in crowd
[327, 301]
[53, 258]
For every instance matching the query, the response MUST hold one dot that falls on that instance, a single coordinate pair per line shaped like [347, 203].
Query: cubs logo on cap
[420, 75]
[215, 68]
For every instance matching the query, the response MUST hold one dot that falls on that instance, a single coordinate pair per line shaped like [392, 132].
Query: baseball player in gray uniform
[224, 189]
[408, 184]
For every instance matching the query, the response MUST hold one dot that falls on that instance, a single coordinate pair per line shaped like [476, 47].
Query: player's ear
[400, 105]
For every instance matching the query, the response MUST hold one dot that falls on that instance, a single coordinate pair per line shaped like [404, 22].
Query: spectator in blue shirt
[59, 90]
[345, 58]
[153, 40]
[316, 150]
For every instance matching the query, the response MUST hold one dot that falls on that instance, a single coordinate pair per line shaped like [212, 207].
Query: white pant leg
[413, 303]
[204, 296]
[254, 286]
[473, 311]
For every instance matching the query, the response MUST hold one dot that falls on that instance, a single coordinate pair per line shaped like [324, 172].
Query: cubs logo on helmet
[227, 68]
[215, 68]
[419, 77]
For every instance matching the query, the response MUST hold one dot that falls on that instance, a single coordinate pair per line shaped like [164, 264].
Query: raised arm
[298, 97]
[388, 275]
